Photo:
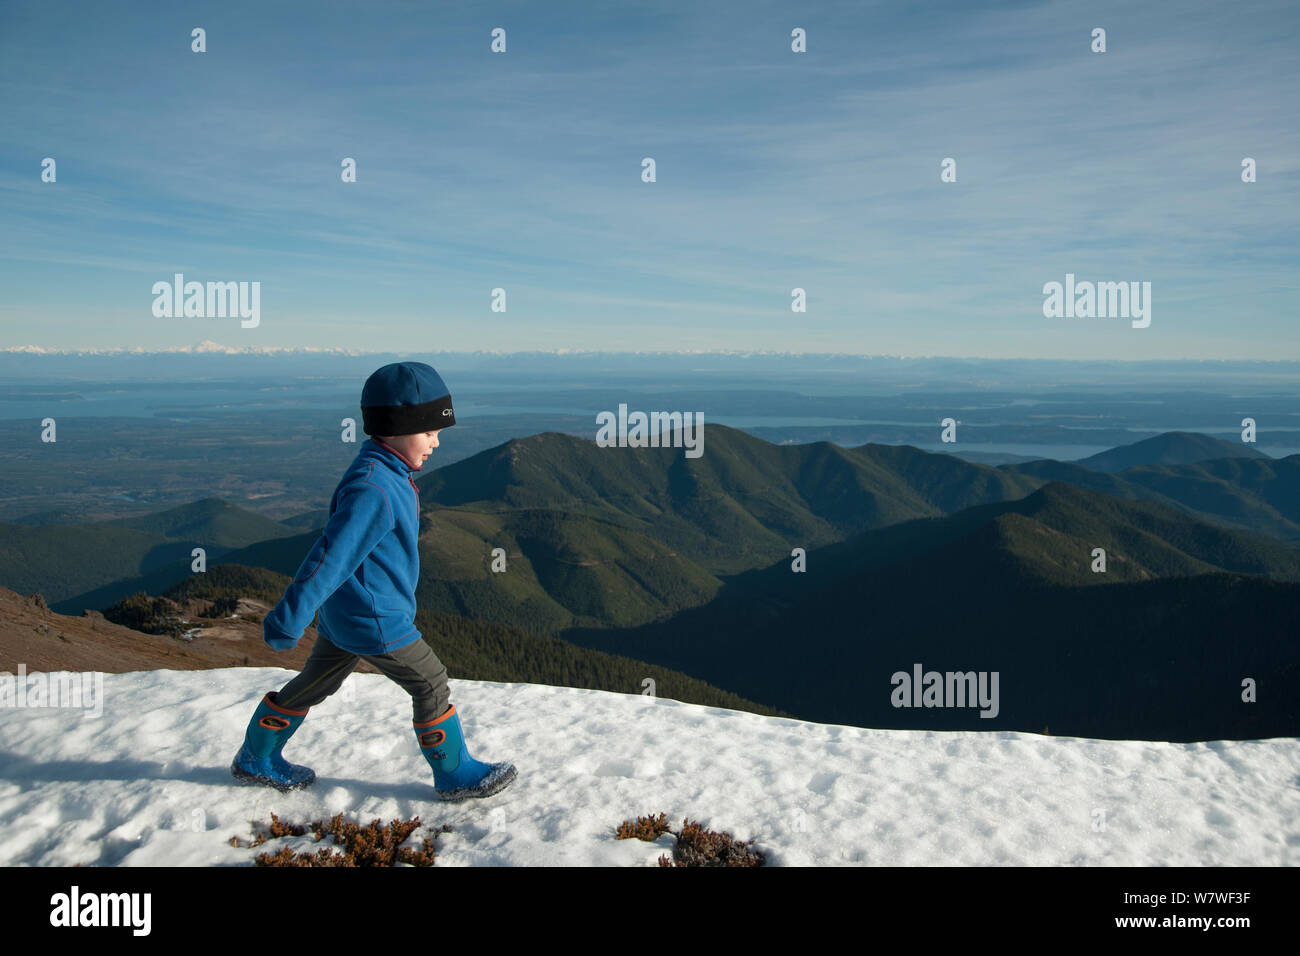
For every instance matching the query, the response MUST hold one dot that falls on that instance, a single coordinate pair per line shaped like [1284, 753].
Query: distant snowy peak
[208, 347]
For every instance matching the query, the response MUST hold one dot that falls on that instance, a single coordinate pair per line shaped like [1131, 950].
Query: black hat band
[408, 419]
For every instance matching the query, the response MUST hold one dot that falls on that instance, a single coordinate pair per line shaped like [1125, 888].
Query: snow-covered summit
[147, 782]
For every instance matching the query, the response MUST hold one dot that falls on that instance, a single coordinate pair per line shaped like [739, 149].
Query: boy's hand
[277, 639]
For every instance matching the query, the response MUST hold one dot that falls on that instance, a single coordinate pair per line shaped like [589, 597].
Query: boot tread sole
[501, 775]
[239, 773]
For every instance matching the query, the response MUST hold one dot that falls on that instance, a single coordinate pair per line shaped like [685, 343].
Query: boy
[361, 574]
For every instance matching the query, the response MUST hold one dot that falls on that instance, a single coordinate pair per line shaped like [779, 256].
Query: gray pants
[414, 666]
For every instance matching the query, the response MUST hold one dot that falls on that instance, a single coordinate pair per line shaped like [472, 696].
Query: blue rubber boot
[457, 775]
[259, 760]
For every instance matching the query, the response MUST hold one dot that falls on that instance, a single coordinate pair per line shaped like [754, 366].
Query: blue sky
[775, 170]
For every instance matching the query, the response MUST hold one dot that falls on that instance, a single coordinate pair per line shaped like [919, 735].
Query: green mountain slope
[742, 502]
[1260, 494]
[64, 560]
[95, 564]
[210, 520]
[1170, 448]
[561, 570]
[1255, 494]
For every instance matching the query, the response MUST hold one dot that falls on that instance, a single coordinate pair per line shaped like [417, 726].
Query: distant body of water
[148, 401]
[501, 398]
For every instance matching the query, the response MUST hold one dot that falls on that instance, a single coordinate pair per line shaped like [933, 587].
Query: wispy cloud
[775, 171]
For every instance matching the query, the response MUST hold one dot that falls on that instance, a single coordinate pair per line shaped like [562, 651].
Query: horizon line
[212, 348]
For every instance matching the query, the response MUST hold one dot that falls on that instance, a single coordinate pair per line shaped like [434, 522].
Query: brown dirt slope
[33, 635]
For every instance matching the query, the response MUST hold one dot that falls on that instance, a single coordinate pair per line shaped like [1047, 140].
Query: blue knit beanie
[405, 398]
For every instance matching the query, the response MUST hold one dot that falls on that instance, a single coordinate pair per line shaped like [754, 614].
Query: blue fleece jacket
[362, 571]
